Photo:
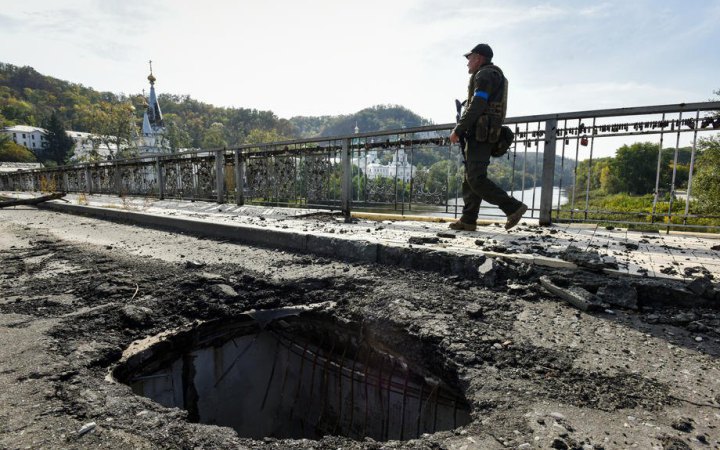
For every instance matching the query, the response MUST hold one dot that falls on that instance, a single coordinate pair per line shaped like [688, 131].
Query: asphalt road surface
[75, 292]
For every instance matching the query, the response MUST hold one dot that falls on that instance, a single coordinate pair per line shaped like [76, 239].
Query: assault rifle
[458, 108]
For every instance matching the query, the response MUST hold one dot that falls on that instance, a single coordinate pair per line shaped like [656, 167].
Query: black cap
[481, 49]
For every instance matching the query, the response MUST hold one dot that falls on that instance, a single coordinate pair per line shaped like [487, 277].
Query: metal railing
[552, 167]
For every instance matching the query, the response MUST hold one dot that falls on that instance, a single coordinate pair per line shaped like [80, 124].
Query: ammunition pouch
[505, 139]
[482, 128]
[488, 125]
[488, 129]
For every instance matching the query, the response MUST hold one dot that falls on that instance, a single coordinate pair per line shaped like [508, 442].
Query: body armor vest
[487, 128]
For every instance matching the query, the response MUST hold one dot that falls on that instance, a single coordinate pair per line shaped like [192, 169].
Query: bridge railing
[557, 165]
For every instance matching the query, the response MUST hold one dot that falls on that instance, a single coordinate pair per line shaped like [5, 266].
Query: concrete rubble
[517, 322]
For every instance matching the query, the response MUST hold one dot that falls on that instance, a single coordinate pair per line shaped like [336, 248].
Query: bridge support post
[239, 179]
[346, 188]
[160, 179]
[118, 178]
[548, 172]
[220, 175]
[88, 179]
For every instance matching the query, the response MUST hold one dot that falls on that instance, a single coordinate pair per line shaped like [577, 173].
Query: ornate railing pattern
[409, 170]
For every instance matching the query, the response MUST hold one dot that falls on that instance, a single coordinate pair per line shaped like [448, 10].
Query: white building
[32, 138]
[369, 163]
[400, 167]
[86, 144]
[89, 146]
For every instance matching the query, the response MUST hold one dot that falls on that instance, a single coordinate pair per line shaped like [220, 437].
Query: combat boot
[515, 217]
[462, 226]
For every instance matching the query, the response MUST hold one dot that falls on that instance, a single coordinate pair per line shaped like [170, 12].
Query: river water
[530, 197]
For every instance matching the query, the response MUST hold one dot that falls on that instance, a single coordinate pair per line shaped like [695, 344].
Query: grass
[607, 209]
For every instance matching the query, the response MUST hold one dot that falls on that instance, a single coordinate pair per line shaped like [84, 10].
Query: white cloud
[582, 96]
[307, 57]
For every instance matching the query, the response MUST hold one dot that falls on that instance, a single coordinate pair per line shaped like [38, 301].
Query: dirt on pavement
[75, 292]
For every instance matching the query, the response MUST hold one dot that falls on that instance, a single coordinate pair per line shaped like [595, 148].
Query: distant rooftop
[78, 134]
[15, 166]
[29, 129]
[23, 129]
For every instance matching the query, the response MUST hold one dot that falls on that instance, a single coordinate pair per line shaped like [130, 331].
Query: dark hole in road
[295, 376]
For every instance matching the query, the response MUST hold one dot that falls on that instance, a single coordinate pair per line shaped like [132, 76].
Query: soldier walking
[480, 124]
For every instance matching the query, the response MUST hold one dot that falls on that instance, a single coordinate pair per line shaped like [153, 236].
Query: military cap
[481, 49]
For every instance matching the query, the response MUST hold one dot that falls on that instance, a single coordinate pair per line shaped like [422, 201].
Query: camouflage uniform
[480, 124]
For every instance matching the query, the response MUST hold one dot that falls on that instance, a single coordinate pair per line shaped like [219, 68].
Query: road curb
[350, 250]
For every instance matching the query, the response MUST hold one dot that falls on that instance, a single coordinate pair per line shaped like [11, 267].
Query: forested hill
[376, 118]
[29, 98]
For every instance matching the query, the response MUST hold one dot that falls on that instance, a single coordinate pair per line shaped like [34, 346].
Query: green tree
[121, 127]
[176, 135]
[4, 122]
[112, 124]
[18, 111]
[706, 183]
[215, 136]
[258, 136]
[634, 168]
[58, 144]
[444, 175]
[602, 175]
[668, 163]
[599, 171]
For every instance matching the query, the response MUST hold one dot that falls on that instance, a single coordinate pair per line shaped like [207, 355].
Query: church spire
[151, 78]
[153, 112]
[153, 138]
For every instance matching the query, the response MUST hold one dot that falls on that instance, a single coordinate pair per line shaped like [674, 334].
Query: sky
[311, 58]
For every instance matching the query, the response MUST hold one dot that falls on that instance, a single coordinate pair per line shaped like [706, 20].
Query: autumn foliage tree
[12, 152]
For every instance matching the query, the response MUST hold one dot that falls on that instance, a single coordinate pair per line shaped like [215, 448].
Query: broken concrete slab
[539, 260]
[209, 277]
[351, 250]
[487, 271]
[136, 315]
[657, 293]
[474, 311]
[422, 240]
[701, 286]
[190, 264]
[224, 291]
[619, 294]
[87, 428]
[465, 265]
[576, 296]
[589, 259]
